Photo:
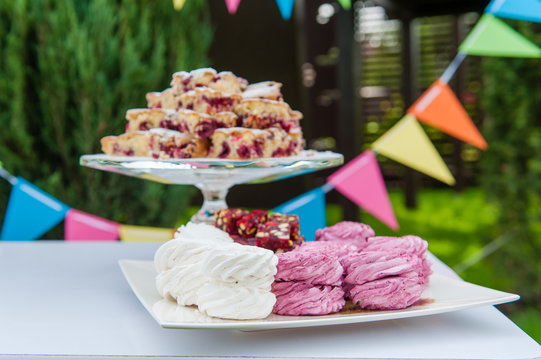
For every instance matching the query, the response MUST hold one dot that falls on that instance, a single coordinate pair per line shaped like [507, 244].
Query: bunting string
[360, 179]
[438, 107]
[7, 176]
[452, 68]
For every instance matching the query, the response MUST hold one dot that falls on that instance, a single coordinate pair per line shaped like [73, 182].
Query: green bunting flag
[492, 37]
[346, 4]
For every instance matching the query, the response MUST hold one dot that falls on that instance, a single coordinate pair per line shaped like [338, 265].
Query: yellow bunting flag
[145, 234]
[407, 143]
[178, 4]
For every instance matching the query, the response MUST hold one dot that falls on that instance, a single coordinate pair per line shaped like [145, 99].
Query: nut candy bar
[273, 236]
[292, 220]
[261, 215]
[226, 219]
[243, 240]
[247, 225]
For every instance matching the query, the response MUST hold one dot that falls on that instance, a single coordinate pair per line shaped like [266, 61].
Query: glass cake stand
[214, 177]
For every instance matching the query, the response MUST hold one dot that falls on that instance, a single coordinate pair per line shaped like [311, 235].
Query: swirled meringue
[189, 246]
[309, 267]
[181, 283]
[373, 265]
[180, 252]
[396, 292]
[346, 231]
[202, 232]
[298, 298]
[228, 301]
[203, 266]
[244, 265]
[410, 243]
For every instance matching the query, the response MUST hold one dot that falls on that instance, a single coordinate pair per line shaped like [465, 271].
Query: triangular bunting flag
[232, 5]
[81, 226]
[346, 4]
[529, 10]
[178, 4]
[310, 207]
[286, 8]
[31, 212]
[145, 233]
[440, 108]
[360, 180]
[493, 37]
[407, 143]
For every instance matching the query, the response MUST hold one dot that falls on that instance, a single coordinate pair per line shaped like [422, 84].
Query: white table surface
[71, 300]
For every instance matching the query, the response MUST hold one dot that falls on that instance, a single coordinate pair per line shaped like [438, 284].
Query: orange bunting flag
[440, 108]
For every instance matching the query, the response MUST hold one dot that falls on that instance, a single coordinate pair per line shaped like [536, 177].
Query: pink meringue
[294, 298]
[373, 265]
[309, 267]
[410, 243]
[346, 231]
[396, 292]
[335, 248]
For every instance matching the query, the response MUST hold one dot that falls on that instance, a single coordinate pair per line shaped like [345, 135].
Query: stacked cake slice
[217, 115]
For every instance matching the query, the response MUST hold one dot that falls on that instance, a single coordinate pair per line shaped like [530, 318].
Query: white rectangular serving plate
[442, 294]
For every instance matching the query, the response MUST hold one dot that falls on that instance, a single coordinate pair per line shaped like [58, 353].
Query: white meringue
[228, 301]
[244, 265]
[203, 266]
[202, 232]
[181, 283]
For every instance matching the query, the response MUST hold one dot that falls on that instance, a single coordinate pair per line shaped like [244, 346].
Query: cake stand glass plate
[214, 177]
[442, 294]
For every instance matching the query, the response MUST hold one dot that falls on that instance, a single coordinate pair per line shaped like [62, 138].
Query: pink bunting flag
[361, 181]
[81, 226]
[232, 5]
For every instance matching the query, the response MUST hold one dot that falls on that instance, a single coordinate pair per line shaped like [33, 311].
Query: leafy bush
[68, 72]
[512, 165]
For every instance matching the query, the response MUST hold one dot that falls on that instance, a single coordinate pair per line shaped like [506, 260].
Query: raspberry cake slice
[146, 119]
[240, 143]
[186, 121]
[225, 81]
[244, 143]
[264, 113]
[162, 100]
[286, 144]
[208, 101]
[198, 124]
[264, 90]
[156, 143]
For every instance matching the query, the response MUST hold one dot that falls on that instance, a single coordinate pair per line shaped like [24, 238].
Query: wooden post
[411, 177]
[349, 132]
[457, 86]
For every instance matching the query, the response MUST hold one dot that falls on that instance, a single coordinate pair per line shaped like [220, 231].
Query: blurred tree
[69, 70]
[512, 165]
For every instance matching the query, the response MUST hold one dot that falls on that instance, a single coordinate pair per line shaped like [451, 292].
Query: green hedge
[69, 70]
[512, 165]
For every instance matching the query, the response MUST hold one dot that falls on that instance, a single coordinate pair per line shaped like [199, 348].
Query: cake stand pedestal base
[213, 200]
